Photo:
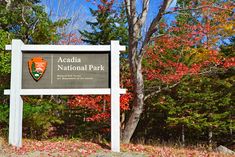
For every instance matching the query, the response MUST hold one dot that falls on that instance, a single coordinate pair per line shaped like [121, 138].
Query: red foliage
[167, 59]
[186, 49]
[100, 105]
[103, 5]
[70, 39]
[229, 62]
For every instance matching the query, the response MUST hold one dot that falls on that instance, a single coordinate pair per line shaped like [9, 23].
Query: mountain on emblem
[37, 67]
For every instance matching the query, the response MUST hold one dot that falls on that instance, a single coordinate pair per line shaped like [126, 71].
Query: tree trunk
[8, 4]
[135, 25]
[183, 136]
[137, 108]
[210, 138]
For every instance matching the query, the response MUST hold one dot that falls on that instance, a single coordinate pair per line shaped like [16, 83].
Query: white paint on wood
[16, 102]
[7, 92]
[115, 97]
[8, 47]
[58, 48]
[95, 91]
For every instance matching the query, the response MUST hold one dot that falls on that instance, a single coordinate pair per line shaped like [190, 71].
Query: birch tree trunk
[135, 23]
[210, 134]
[138, 106]
[8, 4]
[183, 136]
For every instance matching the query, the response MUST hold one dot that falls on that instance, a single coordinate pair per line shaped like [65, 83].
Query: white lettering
[71, 68]
[69, 60]
[96, 67]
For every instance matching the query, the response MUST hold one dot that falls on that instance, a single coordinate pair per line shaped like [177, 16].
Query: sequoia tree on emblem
[37, 67]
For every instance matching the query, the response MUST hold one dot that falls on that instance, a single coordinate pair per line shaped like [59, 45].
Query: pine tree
[203, 104]
[228, 48]
[109, 25]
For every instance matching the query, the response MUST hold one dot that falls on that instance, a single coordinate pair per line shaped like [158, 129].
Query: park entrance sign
[64, 70]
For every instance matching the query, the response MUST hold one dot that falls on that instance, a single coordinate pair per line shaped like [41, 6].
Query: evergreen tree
[203, 104]
[109, 25]
[228, 48]
[25, 20]
[28, 21]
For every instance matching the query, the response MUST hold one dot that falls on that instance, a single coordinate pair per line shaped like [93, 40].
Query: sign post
[64, 70]
[115, 98]
[16, 101]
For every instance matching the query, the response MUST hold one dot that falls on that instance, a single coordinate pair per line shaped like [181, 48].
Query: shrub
[40, 118]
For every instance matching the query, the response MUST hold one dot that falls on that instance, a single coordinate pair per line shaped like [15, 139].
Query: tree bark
[210, 134]
[8, 4]
[183, 136]
[135, 24]
[137, 108]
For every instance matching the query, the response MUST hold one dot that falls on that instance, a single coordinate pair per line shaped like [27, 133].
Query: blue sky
[78, 11]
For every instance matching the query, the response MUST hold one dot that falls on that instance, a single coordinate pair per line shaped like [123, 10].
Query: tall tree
[28, 21]
[190, 48]
[140, 39]
[136, 23]
[109, 25]
[137, 46]
[203, 104]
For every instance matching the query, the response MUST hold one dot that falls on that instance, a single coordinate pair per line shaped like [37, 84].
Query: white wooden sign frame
[16, 91]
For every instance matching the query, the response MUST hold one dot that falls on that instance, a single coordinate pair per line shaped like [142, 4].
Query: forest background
[178, 69]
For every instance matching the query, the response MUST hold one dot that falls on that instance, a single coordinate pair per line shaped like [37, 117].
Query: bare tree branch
[153, 26]
[212, 71]
[131, 12]
[128, 8]
[133, 8]
[8, 4]
[34, 26]
[142, 18]
[23, 18]
[198, 8]
[160, 90]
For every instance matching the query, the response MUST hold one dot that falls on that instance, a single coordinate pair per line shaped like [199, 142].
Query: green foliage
[41, 119]
[5, 61]
[4, 57]
[109, 25]
[76, 126]
[4, 113]
[202, 104]
[228, 48]
[28, 21]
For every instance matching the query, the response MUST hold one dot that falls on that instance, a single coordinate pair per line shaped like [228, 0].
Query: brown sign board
[67, 70]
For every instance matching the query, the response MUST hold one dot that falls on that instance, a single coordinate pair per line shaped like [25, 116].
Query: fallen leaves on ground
[58, 148]
[81, 148]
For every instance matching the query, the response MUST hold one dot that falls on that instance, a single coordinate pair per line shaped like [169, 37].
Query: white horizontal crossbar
[8, 47]
[95, 91]
[57, 48]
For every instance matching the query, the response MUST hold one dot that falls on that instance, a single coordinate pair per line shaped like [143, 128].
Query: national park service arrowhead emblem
[37, 67]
